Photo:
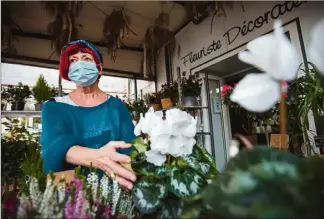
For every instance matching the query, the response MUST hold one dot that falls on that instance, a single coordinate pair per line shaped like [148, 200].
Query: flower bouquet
[83, 197]
[170, 166]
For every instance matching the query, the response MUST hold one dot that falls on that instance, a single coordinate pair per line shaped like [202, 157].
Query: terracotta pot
[156, 107]
[166, 103]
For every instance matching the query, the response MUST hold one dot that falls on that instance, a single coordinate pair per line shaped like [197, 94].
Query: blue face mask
[83, 73]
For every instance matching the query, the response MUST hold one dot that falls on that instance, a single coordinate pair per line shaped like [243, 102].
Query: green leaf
[148, 194]
[133, 154]
[171, 208]
[180, 163]
[256, 183]
[201, 161]
[139, 144]
[185, 184]
[162, 171]
[144, 169]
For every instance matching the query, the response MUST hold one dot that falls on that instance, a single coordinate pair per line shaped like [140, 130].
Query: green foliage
[311, 85]
[170, 91]
[17, 94]
[13, 149]
[260, 183]
[136, 107]
[42, 91]
[191, 86]
[148, 194]
[178, 179]
[155, 98]
[139, 144]
[32, 166]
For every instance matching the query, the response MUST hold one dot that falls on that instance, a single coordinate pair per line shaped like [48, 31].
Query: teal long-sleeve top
[64, 126]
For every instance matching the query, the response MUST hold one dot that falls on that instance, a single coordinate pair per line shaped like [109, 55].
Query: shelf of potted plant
[170, 95]
[16, 95]
[190, 88]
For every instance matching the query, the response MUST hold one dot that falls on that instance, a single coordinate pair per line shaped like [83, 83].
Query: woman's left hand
[109, 161]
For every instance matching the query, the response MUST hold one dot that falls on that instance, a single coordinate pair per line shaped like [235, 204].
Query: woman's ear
[100, 67]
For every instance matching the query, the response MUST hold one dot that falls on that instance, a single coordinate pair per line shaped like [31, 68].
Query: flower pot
[156, 107]
[38, 106]
[166, 103]
[3, 106]
[18, 106]
[190, 101]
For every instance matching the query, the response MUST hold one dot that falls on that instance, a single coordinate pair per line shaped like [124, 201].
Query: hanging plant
[115, 30]
[63, 28]
[7, 28]
[218, 9]
[155, 37]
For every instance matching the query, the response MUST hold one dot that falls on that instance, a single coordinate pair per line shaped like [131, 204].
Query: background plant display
[13, 149]
[16, 95]
[191, 86]
[135, 107]
[170, 91]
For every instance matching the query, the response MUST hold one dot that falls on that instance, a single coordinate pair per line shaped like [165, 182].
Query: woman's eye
[73, 60]
[88, 59]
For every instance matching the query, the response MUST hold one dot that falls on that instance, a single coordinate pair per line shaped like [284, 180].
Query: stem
[169, 159]
[283, 114]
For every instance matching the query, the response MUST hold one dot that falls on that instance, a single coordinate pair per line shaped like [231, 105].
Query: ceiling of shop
[32, 17]
[34, 45]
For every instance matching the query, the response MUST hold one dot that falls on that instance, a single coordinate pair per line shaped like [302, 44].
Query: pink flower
[226, 88]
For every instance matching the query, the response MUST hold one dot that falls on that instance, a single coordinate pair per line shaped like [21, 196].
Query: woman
[86, 127]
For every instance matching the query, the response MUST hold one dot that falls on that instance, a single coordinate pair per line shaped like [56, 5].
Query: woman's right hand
[108, 160]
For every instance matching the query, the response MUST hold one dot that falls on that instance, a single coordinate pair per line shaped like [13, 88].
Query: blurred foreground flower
[278, 58]
[316, 47]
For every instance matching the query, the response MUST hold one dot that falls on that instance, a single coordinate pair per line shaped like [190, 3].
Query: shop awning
[33, 43]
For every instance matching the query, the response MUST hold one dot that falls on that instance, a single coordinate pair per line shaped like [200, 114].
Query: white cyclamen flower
[173, 135]
[256, 92]
[274, 54]
[155, 157]
[316, 47]
[278, 58]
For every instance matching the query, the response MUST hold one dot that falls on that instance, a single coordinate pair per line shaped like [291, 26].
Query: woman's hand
[108, 160]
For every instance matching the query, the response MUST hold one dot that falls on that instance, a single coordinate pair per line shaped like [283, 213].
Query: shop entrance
[224, 122]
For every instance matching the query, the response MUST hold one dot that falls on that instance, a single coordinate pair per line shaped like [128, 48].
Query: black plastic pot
[189, 101]
[18, 106]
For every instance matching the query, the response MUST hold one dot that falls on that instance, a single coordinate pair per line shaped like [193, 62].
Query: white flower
[138, 127]
[278, 58]
[155, 157]
[172, 134]
[273, 54]
[316, 47]
[93, 182]
[256, 92]
[178, 121]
